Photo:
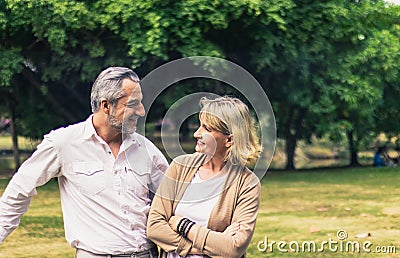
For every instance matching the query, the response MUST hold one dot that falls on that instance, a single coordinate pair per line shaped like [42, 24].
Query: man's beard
[120, 126]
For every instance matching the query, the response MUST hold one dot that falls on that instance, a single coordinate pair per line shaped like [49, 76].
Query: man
[106, 174]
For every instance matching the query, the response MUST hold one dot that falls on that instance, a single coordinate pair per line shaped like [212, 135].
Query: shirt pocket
[138, 181]
[90, 177]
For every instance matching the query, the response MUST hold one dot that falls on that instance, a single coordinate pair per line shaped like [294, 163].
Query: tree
[370, 69]
[310, 56]
[386, 64]
[52, 50]
[315, 79]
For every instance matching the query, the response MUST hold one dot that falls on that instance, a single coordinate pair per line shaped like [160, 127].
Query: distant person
[382, 158]
[379, 160]
[4, 124]
[106, 173]
[207, 203]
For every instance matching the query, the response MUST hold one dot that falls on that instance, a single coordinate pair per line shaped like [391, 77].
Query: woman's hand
[195, 251]
[173, 222]
[232, 229]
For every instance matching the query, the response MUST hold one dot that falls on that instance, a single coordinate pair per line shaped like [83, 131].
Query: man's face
[129, 108]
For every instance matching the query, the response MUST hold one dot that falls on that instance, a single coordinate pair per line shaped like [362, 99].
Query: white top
[198, 201]
[105, 200]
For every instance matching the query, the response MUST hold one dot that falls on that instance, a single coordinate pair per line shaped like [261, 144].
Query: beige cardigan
[238, 202]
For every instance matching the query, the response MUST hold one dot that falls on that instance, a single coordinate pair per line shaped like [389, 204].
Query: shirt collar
[89, 132]
[130, 140]
[89, 128]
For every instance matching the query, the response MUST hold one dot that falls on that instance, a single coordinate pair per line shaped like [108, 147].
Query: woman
[207, 203]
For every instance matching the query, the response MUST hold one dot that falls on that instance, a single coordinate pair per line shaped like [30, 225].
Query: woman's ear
[229, 141]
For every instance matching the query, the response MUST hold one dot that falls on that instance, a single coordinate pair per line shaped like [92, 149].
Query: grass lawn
[313, 206]
[296, 208]
[23, 143]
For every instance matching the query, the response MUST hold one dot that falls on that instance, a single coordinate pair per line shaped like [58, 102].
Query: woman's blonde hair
[231, 116]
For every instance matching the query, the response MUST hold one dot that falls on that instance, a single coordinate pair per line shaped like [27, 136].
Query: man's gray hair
[108, 85]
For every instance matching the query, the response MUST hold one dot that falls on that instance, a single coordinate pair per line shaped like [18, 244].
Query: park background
[330, 69]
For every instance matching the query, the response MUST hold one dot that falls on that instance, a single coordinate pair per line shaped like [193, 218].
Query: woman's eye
[208, 129]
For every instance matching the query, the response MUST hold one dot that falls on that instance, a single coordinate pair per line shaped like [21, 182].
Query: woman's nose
[197, 133]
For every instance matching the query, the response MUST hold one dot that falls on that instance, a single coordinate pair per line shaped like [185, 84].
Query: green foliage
[10, 64]
[322, 63]
[327, 67]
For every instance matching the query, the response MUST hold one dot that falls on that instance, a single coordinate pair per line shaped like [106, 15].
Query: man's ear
[105, 105]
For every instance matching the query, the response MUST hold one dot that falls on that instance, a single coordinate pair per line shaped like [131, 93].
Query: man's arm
[36, 171]
[159, 166]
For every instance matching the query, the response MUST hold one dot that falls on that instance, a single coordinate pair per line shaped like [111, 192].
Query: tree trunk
[14, 134]
[8, 99]
[291, 143]
[11, 103]
[293, 131]
[352, 149]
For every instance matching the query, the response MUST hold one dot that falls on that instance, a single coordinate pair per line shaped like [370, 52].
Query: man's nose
[140, 111]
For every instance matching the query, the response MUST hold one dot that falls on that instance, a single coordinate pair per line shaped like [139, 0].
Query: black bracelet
[184, 232]
[184, 225]
[180, 222]
[188, 228]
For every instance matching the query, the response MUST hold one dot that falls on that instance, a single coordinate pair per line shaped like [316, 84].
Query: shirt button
[124, 209]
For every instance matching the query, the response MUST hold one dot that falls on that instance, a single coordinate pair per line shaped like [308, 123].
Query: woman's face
[210, 141]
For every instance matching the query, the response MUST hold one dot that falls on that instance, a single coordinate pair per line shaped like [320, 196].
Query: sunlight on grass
[297, 206]
[41, 231]
[23, 143]
[313, 206]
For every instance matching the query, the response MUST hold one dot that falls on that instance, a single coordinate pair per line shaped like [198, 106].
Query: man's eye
[131, 105]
